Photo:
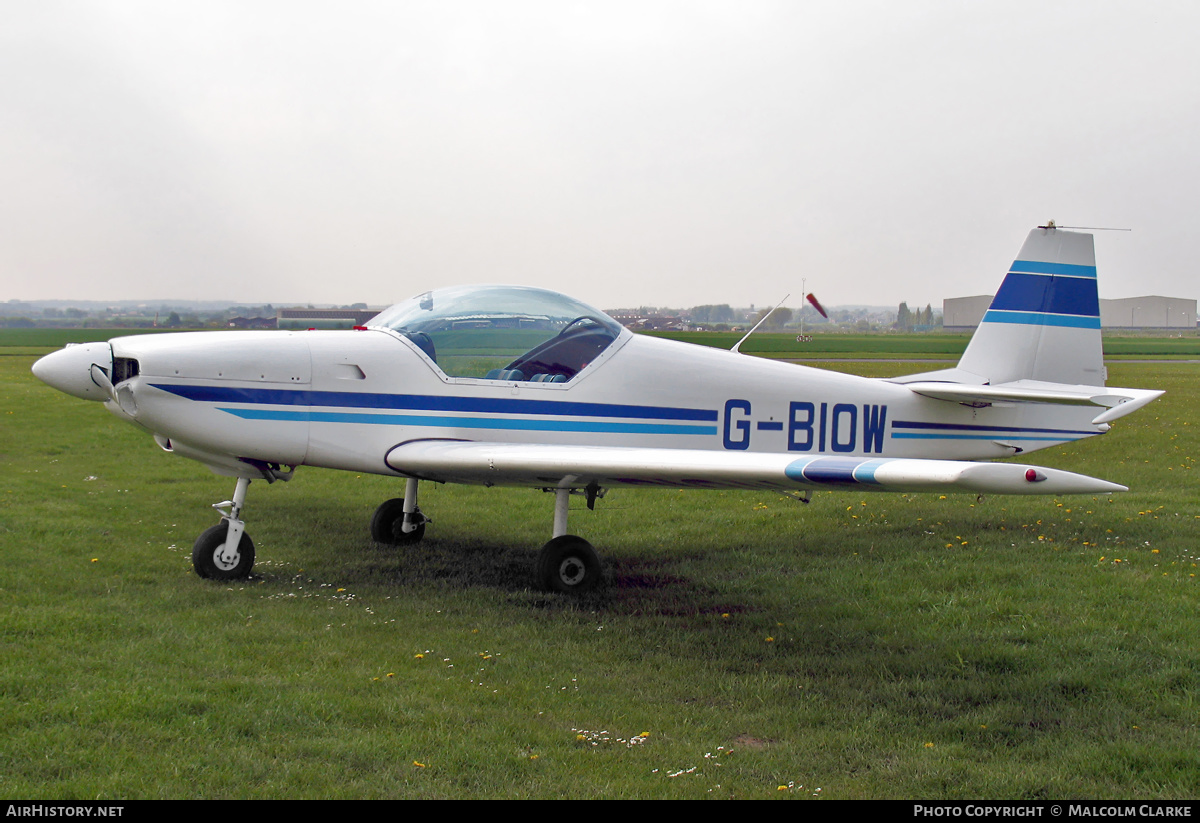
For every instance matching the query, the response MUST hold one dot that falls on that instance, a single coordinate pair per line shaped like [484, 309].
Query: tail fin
[1044, 323]
[1039, 342]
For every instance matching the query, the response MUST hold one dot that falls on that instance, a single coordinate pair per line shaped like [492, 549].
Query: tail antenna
[1051, 225]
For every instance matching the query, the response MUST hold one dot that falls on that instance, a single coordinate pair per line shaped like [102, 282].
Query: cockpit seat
[505, 374]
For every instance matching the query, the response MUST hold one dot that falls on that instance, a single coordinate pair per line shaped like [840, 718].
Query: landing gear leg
[562, 505]
[567, 563]
[226, 552]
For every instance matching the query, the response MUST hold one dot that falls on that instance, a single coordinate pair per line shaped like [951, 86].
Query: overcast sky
[628, 153]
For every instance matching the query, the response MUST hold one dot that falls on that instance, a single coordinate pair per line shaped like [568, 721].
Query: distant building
[254, 323]
[663, 323]
[655, 322]
[628, 319]
[1151, 312]
[964, 314]
[301, 318]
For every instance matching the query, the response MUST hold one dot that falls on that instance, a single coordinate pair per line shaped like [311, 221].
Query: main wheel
[208, 555]
[568, 564]
[387, 524]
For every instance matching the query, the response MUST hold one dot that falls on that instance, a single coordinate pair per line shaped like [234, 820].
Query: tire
[568, 564]
[388, 520]
[206, 562]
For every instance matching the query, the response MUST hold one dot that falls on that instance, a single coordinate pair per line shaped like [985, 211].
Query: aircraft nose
[70, 370]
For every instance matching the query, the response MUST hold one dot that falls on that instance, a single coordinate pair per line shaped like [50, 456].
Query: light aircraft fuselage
[504, 385]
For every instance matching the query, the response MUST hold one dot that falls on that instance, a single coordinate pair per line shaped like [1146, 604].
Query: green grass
[57, 338]
[777, 344]
[508, 344]
[913, 346]
[859, 646]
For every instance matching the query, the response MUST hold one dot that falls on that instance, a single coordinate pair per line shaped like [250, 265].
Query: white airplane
[514, 386]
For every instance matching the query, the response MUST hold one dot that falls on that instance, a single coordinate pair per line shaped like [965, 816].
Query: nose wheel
[213, 560]
[226, 552]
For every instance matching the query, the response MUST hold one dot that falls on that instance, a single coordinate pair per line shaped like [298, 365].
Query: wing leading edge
[554, 466]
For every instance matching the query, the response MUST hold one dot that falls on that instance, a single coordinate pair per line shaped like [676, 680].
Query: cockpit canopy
[503, 332]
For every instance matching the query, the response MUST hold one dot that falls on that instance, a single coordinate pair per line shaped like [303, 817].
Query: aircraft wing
[555, 466]
[1118, 402]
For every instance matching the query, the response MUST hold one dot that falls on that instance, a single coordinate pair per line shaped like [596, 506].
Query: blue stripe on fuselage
[926, 430]
[925, 424]
[542, 413]
[422, 402]
[507, 423]
[915, 436]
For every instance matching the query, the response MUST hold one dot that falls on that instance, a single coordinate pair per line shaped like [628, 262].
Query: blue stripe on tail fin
[1048, 294]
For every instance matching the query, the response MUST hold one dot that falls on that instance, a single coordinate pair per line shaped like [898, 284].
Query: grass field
[763, 344]
[915, 346]
[744, 645]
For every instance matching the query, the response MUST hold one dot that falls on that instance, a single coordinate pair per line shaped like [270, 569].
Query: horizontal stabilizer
[547, 466]
[1119, 402]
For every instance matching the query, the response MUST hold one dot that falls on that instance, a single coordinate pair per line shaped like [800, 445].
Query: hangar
[1152, 312]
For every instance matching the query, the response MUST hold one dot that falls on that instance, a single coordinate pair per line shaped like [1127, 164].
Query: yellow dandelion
[418, 764]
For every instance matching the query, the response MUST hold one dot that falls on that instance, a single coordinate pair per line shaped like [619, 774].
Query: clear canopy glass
[503, 332]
